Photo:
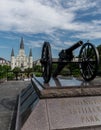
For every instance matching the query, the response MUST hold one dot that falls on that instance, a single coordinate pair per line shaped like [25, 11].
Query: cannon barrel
[67, 54]
[73, 47]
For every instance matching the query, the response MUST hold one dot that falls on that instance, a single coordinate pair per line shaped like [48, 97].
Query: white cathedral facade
[21, 60]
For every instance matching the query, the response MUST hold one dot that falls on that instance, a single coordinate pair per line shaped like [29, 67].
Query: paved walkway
[8, 95]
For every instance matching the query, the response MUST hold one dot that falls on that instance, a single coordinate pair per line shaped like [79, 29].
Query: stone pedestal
[63, 104]
[66, 87]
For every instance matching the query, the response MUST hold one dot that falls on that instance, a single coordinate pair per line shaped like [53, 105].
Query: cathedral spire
[22, 44]
[12, 53]
[30, 53]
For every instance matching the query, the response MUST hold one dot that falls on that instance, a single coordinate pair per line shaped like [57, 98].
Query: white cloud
[75, 5]
[88, 35]
[47, 16]
[90, 30]
[33, 44]
[96, 22]
[31, 16]
[69, 43]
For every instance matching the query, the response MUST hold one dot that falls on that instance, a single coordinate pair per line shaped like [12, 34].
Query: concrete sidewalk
[8, 96]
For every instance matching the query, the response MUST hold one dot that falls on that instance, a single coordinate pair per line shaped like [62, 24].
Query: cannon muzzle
[75, 46]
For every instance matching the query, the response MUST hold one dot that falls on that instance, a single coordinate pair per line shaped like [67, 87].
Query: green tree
[37, 70]
[16, 71]
[1, 71]
[29, 71]
[4, 71]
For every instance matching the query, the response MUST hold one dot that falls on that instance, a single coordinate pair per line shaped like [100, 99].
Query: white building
[21, 60]
[4, 62]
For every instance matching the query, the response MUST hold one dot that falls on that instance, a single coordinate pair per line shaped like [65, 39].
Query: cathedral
[21, 60]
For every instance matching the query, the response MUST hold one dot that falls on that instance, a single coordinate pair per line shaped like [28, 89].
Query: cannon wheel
[89, 61]
[46, 61]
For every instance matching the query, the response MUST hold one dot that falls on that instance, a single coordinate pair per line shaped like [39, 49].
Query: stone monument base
[66, 87]
[63, 104]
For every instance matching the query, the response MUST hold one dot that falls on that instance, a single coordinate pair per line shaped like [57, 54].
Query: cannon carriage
[88, 60]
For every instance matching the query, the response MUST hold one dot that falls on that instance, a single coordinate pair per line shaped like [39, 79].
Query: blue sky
[61, 22]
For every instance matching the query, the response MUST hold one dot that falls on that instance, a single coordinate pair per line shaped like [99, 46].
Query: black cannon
[88, 60]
